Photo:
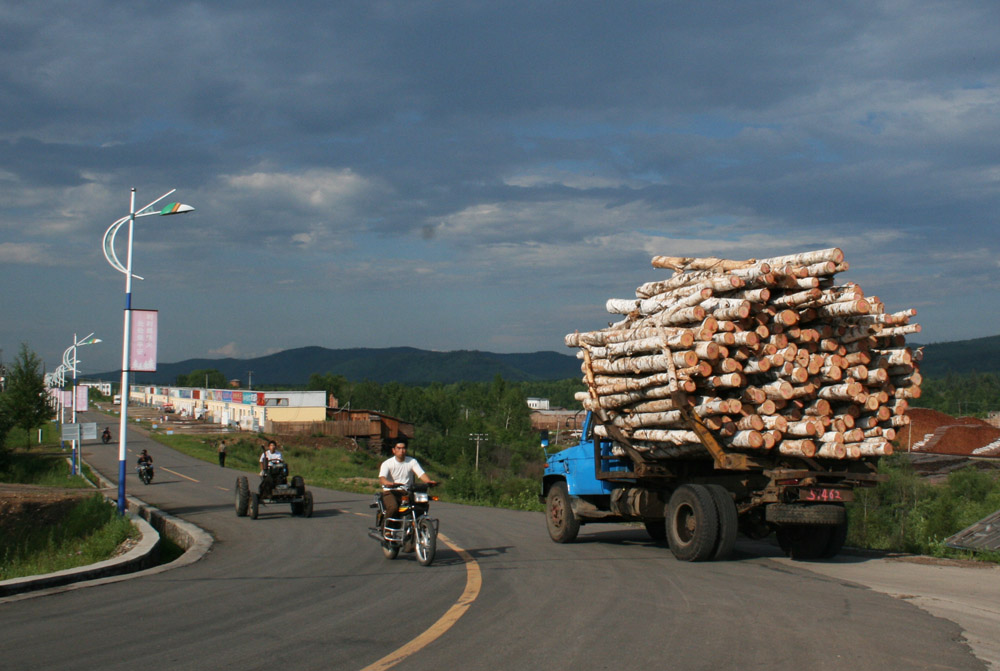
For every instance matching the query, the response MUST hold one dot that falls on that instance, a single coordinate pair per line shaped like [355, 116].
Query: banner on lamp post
[81, 398]
[142, 354]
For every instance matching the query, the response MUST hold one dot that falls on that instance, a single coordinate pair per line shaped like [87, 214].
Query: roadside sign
[80, 431]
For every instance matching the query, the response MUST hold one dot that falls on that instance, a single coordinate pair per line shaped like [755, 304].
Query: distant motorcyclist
[145, 459]
[398, 471]
[106, 435]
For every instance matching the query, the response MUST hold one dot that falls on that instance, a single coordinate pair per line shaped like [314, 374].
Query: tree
[24, 403]
[203, 377]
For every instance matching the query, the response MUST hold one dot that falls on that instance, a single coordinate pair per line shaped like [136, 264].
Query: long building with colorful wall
[249, 410]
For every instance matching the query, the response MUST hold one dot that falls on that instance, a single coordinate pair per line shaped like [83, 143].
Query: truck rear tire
[804, 541]
[838, 536]
[559, 518]
[692, 523]
[307, 505]
[657, 529]
[729, 521]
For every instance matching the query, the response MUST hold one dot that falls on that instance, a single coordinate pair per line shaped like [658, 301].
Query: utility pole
[250, 380]
[478, 437]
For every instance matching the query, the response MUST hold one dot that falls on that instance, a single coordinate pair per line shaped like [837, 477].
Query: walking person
[222, 453]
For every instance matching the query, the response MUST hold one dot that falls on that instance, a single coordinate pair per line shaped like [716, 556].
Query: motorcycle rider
[106, 435]
[146, 458]
[398, 470]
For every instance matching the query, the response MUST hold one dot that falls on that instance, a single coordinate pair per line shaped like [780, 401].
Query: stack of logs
[771, 355]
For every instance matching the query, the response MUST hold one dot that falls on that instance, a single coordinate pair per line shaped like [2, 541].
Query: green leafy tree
[24, 403]
[203, 377]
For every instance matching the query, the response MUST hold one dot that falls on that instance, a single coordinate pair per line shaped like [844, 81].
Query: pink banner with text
[143, 351]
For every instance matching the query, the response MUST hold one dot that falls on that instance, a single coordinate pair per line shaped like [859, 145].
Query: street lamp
[70, 361]
[109, 254]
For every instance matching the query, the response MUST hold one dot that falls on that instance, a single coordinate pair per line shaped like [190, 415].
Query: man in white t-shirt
[399, 469]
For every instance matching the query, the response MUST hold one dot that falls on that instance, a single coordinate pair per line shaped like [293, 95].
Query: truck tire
[838, 536]
[254, 505]
[657, 529]
[729, 522]
[242, 496]
[559, 518]
[299, 485]
[692, 523]
[797, 513]
[804, 541]
[307, 505]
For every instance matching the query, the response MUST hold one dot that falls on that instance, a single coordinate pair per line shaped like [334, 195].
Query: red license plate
[826, 494]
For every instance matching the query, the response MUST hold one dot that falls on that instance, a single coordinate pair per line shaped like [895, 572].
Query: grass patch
[48, 469]
[86, 532]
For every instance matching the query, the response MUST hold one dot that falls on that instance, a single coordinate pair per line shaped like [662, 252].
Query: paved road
[317, 594]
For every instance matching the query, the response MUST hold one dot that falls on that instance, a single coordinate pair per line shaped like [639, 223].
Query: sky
[481, 175]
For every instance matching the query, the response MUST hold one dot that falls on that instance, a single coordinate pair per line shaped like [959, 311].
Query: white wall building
[250, 410]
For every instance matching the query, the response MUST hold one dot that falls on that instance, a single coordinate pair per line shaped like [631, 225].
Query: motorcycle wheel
[426, 542]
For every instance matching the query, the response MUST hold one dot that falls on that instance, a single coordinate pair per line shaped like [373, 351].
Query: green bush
[909, 514]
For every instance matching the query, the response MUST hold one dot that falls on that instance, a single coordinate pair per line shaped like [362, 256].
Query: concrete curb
[139, 561]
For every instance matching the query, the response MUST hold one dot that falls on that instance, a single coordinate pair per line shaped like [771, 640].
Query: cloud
[229, 350]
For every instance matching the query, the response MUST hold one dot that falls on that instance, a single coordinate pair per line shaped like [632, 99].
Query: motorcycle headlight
[420, 497]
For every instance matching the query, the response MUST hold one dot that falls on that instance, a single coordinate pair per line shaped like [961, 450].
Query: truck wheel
[299, 485]
[559, 518]
[804, 541]
[426, 542]
[729, 521]
[657, 529]
[254, 505]
[307, 505]
[838, 536]
[242, 496]
[692, 523]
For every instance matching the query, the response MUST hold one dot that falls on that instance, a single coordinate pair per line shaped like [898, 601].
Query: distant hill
[406, 365]
[409, 365]
[981, 355]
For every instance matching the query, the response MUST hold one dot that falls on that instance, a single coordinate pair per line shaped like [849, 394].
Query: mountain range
[408, 365]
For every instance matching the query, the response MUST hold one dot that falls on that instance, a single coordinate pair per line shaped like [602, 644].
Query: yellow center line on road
[181, 475]
[225, 489]
[473, 583]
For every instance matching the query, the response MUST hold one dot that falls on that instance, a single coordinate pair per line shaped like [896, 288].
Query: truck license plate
[826, 494]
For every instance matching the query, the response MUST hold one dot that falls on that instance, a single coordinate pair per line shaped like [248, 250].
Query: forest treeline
[969, 394]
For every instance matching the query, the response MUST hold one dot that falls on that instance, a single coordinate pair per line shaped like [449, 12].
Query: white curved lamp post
[126, 268]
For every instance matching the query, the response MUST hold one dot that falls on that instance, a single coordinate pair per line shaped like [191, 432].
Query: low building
[538, 403]
[248, 410]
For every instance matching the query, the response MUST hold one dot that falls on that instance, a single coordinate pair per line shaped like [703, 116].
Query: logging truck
[747, 396]
[699, 505]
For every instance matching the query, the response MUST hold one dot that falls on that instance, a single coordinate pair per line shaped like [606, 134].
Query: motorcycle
[411, 530]
[106, 436]
[145, 472]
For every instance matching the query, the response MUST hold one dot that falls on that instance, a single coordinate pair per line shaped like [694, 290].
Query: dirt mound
[939, 433]
[20, 504]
